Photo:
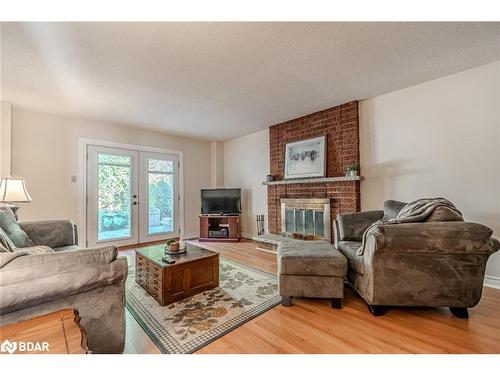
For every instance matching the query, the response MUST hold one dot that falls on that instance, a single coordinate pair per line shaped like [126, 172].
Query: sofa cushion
[443, 213]
[350, 250]
[392, 208]
[310, 258]
[10, 226]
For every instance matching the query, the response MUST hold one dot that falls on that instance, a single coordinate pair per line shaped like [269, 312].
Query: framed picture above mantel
[305, 158]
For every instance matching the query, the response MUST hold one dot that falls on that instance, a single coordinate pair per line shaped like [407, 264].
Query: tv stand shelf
[223, 228]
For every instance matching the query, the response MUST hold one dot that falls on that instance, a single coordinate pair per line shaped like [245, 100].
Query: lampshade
[13, 190]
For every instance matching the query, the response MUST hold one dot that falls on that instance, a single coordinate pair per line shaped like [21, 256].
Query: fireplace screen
[306, 216]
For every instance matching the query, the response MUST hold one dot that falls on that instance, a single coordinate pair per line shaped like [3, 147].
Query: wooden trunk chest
[193, 272]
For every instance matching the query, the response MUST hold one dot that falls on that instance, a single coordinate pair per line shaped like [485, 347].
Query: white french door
[132, 196]
[158, 196]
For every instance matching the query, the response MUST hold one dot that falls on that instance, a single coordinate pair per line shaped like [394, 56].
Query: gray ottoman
[311, 269]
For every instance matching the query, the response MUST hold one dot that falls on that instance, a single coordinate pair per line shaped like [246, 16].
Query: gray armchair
[433, 263]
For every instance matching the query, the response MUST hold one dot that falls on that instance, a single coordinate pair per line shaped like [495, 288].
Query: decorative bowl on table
[173, 247]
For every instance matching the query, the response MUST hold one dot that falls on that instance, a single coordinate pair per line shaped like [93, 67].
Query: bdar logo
[8, 347]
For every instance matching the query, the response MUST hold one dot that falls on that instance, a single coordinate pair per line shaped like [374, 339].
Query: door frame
[82, 178]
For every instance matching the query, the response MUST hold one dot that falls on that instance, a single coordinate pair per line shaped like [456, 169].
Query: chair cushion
[10, 226]
[310, 258]
[350, 250]
[392, 208]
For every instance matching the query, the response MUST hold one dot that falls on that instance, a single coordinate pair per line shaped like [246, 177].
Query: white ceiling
[218, 81]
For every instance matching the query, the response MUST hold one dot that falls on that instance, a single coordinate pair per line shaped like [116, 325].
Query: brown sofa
[433, 263]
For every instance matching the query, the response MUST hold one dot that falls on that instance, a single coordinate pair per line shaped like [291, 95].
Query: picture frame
[305, 158]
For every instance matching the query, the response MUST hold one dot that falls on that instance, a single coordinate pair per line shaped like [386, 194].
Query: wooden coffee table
[193, 272]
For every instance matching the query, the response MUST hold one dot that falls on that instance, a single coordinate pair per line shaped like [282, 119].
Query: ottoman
[311, 269]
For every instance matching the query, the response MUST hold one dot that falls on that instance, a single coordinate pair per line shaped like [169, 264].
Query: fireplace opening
[306, 217]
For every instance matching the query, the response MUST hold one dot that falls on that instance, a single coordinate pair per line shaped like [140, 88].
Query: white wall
[5, 139]
[246, 164]
[45, 152]
[440, 138]
[216, 164]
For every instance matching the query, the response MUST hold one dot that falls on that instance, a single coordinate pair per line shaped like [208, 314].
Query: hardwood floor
[312, 326]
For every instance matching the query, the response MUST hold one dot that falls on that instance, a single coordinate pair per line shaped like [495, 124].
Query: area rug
[190, 324]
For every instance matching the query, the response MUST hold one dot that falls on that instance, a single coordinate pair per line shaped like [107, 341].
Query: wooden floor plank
[312, 326]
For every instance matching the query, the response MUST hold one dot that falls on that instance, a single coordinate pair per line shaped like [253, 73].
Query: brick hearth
[341, 127]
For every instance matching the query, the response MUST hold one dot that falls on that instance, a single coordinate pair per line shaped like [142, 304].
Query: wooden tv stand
[219, 223]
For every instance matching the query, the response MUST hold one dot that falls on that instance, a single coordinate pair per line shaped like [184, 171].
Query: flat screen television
[220, 201]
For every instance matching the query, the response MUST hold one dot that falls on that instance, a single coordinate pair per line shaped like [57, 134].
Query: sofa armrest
[433, 237]
[33, 279]
[51, 233]
[350, 227]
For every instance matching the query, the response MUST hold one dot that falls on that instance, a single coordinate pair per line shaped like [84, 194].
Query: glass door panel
[112, 191]
[158, 196]
[114, 196]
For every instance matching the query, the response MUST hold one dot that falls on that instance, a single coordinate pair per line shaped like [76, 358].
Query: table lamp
[13, 190]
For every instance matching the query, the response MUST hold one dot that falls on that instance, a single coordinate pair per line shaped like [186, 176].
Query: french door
[132, 196]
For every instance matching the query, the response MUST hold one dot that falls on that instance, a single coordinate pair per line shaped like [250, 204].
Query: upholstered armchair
[439, 263]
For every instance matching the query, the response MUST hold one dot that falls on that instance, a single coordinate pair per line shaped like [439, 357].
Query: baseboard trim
[492, 282]
[248, 236]
[190, 236]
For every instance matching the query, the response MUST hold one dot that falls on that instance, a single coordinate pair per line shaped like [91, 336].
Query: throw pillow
[10, 226]
[6, 241]
[392, 208]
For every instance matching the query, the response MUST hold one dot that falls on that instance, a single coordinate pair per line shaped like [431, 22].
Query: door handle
[134, 196]
[134, 203]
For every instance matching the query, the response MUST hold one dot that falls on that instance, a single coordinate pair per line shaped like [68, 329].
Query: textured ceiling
[217, 81]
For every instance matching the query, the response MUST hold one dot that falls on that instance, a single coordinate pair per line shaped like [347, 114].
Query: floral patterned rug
[190, 324]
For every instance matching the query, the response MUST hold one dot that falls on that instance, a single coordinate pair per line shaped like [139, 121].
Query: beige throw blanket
[414, 212]
[7, 257]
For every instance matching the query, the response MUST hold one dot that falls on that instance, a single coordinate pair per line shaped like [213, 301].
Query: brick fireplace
[341, 128]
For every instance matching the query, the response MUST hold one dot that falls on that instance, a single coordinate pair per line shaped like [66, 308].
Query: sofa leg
[376, 310]
[460, 312]
[286, 300]
[336, 303]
